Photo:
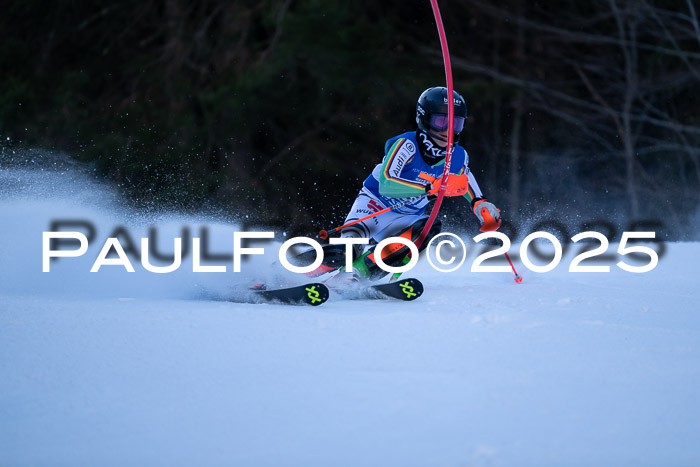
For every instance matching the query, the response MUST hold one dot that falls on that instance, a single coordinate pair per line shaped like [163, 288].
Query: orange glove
[488, 214]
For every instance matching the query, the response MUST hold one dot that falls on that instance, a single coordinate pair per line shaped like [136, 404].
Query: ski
[313, 294]
[405, 289]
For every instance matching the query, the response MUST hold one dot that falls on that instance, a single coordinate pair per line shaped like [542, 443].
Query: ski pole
[323, 234]
[518, 278]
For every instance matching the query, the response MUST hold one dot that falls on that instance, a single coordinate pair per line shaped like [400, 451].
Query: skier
[402, 184]
[411, 172]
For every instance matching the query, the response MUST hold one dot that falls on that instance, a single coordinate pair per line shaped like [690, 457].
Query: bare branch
[278, 32]
[572, 35]
[536, 87]
[694, 19]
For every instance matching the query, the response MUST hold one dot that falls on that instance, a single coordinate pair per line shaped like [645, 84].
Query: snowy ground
[113, 368]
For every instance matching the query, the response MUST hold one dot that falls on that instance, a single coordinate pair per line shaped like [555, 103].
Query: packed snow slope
[117, 368]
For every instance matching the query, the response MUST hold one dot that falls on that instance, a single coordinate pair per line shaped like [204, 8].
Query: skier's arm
[392, 183]
[488, 214]
[474, 193]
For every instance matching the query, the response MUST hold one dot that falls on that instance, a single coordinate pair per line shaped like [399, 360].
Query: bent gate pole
[450, 123]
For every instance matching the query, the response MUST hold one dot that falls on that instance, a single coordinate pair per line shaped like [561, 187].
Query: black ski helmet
[434, 101]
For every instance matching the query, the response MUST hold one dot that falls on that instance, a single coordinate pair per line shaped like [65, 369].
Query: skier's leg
[408, 227]
[334, 255]
[364, 205]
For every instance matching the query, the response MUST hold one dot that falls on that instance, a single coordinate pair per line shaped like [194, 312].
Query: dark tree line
[280, 108]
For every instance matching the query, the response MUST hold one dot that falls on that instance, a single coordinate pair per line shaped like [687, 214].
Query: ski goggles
[439, 122]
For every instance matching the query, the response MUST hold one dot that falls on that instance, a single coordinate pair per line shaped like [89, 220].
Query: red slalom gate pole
[450, 123]
[450, 133]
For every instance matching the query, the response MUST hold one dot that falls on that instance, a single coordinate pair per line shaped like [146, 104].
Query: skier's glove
[489, 215]
[457, 185]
